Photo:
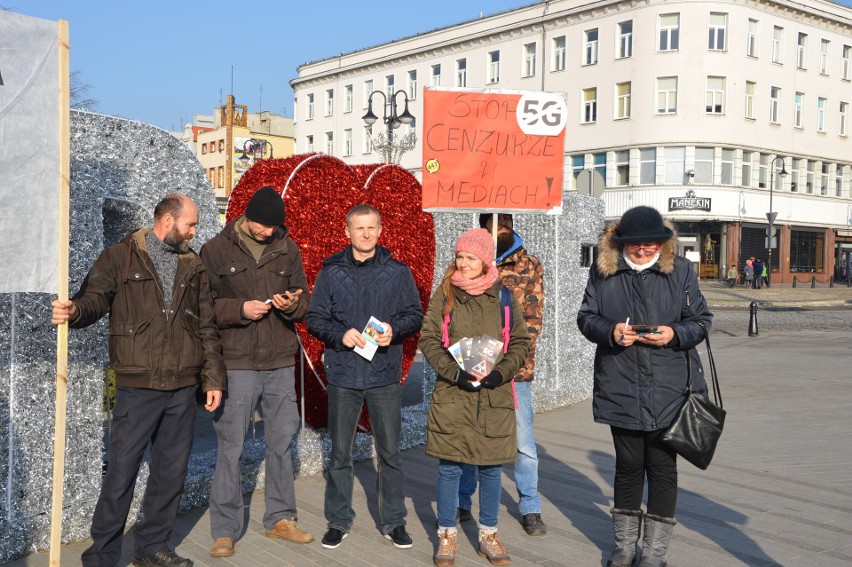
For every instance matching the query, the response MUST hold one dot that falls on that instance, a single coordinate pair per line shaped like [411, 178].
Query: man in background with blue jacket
[357, 283]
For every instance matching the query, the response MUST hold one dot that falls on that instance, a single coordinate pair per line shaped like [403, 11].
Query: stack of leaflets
[477, 355]
[370, 333]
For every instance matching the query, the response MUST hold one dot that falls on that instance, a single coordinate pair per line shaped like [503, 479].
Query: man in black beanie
[260, 291]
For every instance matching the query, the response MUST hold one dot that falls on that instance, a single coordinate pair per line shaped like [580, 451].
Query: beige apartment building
[692, 107]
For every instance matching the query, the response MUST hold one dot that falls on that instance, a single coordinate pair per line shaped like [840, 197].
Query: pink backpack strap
[507, 331]
[445, 331]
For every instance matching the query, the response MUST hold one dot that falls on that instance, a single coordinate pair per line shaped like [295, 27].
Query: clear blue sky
[161, 62]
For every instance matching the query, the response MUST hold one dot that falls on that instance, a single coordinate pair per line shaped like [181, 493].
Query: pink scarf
[479, 285]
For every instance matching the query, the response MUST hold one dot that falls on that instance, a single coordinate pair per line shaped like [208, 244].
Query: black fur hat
[642, 224]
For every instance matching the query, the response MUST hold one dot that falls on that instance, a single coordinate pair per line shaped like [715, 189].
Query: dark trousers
[639, 454]
[140, 415]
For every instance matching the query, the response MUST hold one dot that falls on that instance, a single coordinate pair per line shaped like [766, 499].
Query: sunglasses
[649, 246]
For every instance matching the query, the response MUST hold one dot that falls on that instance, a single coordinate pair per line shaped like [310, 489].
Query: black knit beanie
[266, 207]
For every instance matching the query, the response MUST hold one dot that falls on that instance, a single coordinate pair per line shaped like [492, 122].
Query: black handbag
[698, 426]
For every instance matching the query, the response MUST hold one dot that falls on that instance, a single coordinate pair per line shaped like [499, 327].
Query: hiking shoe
[163, 558]
[464, 515]
[222, 547]
[333, 538]
[447, 549]
[533, 525]
[491, 549]
[287, 529]
[399, 537]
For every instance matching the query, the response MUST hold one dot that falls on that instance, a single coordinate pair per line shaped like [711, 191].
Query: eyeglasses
[649, 246]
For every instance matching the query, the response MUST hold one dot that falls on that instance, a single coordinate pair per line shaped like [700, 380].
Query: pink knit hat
[479, 242]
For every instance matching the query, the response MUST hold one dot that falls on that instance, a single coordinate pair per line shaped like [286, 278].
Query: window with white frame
[347, 142]
[704, 166]
[622, 100]
[666, 95]
[750, 89]
[647, 166]
[461, 72]
[714, 102]
[600, 165]
[558, 63]
[763, 171]
[624, 48]
[590, 47]
[798, 110]
[390, 85]
[794, 174]
[727, 169]
[329, 102]
[823, 182]
[674, 160]
[329, 143]
[822, 104]
[309, 107]
[824, 48]
[578, 164]
[777, 44]
[309, 144]
[845, 63]
[529, 60]
[747, 168]
[775, 105]
[844, 118]
[622, 168]
[493, 66]
[810, 176]
[751, 38]
[412, 85]
[367, 142]
[802, 51]
[347, 98]
[435, 76]
[669, 32]
[368, 90]
[838, 180]
[716, 31]
[590, 105]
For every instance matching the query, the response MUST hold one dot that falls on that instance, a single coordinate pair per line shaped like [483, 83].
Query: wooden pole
[61, 330]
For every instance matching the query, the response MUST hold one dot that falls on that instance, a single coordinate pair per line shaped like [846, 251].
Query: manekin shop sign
[690, 202]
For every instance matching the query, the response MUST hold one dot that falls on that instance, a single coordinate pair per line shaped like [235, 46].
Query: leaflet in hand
[370, 333]
[477, 355]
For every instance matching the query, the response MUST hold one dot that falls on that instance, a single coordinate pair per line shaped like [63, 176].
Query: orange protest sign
[493, 150]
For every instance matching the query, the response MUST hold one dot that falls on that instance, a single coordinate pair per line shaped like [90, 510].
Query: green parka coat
[472, 427]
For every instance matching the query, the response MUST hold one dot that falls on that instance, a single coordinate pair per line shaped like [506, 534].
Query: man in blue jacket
[357, 283]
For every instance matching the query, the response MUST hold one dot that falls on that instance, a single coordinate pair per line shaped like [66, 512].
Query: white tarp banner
[29, 154]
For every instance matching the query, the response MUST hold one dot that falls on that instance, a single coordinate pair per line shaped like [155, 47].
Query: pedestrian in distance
[732, 275]
[471, 420]
[749, 274]
[523, 275]
[757, 267]
[163, 336]
[259, 292]
[641, 373]
[358, 283]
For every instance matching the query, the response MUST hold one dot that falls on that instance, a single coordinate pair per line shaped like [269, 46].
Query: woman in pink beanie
[472, 418]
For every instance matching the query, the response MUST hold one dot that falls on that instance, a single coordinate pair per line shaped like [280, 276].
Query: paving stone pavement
[777, 492]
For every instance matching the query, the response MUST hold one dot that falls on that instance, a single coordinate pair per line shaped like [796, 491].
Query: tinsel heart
[318, 191]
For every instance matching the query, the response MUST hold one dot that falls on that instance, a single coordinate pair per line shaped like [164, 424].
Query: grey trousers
[277, 393]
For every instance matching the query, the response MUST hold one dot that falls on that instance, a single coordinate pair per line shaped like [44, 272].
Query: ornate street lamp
[770, 234]
[385, 142]
[257, 147]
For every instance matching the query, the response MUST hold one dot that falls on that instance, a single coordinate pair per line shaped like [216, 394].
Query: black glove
[491, 381]
[465, 380]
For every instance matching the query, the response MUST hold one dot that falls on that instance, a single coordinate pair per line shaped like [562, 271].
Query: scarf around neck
[479, 285]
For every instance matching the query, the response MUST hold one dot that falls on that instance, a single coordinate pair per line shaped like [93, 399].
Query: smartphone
[643, 330]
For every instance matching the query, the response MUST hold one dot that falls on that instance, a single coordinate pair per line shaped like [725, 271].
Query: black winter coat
[346, 294]
[642, 387]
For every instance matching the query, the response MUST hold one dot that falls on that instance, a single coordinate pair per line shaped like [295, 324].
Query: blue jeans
[526, 467]
[490, 488]
[344, 409]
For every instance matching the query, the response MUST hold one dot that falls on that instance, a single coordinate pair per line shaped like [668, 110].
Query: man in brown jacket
[162, 336]
[260, 291]
[522, 273]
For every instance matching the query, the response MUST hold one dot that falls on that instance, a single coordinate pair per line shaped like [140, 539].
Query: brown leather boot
[447, 549]
[491, 549]
[287, 529]
[222, 547]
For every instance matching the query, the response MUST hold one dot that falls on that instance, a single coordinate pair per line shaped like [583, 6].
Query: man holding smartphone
[260, 291]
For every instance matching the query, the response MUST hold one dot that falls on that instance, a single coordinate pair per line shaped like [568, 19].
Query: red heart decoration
[318, 192]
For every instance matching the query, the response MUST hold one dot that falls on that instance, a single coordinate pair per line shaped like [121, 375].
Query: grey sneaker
[534, 525]
[491, 549]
